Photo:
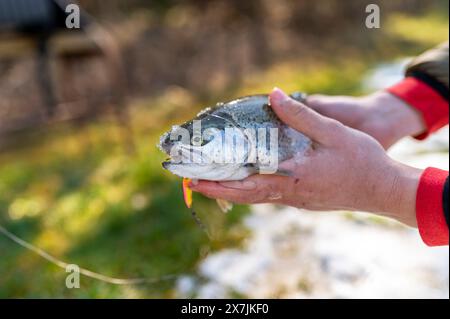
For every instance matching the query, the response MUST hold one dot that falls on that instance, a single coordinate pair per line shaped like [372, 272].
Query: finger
[349, 111]
[255, 189]
[341, 108]
[302, 118]
[269, 188]
[216, 190]
[319, 103]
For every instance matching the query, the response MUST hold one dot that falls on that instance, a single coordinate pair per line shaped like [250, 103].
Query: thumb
[300, 117]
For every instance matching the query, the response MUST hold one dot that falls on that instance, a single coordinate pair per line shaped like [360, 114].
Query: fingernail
[278, 95]
[192, 184]
[244, 185]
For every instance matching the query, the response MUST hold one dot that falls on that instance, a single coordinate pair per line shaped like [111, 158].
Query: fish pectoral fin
[224, 205]
[283, 172]
[187, 192]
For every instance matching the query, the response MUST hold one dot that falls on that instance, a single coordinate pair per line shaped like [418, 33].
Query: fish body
[197, 147]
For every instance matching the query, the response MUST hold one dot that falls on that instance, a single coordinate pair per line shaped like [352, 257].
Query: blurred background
[82, 109]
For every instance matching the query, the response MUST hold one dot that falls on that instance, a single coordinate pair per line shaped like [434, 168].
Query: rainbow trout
[232, 141]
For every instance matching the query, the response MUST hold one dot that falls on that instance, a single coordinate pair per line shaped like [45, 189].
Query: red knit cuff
[432, 106]
[429, 210]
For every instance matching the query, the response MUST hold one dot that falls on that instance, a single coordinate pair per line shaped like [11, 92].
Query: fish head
[197, 132]
[197, 148]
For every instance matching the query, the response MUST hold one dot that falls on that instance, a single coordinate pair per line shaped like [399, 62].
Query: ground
[77, 192]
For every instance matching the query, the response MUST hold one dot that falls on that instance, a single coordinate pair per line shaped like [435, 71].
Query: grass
[78, 195]
[423, 30]
[76, 192]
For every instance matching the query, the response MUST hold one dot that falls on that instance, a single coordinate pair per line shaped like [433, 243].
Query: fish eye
[197, 140]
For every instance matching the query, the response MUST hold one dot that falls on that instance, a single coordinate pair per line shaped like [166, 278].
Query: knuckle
[335, 126]
[336, 130]
[298, 110]
[271, 192]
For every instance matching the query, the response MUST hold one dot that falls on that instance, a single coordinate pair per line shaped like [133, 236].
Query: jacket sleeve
[433, 63]
[425, 88]
[432, 207]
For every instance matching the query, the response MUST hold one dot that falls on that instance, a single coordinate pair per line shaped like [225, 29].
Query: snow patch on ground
[299, 254]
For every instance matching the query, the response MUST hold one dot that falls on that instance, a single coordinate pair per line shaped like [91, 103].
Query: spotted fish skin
[249, 112]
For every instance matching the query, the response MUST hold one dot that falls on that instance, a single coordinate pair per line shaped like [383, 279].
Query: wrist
[398, 118]
[398, 198]
[390, 190]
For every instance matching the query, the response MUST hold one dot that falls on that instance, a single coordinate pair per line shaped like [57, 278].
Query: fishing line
[84, 271]
[200, 224]
[95, 275]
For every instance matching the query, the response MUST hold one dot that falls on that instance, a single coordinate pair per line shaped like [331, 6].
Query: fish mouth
[170, 161]
[185, 156]
[166, 164]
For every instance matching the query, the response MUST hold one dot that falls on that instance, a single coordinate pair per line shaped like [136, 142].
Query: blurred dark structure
[205, 47]
[37, 28]
[208, 47]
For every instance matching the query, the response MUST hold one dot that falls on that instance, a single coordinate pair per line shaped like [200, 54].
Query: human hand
[381, 115]
[344, 169]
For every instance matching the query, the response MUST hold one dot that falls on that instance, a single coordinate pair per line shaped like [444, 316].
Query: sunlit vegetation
[78, 193]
